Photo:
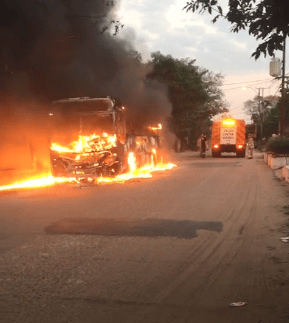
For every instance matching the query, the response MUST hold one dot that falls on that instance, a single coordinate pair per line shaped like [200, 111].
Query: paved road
[179, 247]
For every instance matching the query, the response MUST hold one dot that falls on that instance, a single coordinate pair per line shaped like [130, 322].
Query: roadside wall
[276, 163]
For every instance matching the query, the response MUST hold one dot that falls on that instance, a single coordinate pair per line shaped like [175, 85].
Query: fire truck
[89, 138]
[228, 135]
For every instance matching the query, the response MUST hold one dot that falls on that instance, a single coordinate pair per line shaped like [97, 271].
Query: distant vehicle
[228, 135]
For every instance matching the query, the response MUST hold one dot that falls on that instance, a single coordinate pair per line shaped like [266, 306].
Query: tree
[261, 109]
[194, 93]
[272, 119]
[266, 20]
[271, 123]
[253, 108]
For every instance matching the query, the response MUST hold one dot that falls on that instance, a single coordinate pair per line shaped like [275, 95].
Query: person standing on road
[203, 144]
[250, 145]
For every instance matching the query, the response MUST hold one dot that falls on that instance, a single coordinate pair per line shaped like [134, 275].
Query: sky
[163, 25]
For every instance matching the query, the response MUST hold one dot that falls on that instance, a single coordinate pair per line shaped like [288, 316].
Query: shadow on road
[133, 227]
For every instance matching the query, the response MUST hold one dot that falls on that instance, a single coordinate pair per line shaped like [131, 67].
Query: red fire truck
[228, 135]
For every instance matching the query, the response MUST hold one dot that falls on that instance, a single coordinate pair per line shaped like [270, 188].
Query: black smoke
[54, 49]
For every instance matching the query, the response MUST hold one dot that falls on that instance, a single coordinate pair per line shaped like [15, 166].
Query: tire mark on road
[190, 282]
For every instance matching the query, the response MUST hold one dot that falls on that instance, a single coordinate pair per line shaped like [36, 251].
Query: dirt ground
[180, 247]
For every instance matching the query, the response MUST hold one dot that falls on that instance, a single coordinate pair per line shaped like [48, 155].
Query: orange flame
[43, 181]
[47, 179]
[136, 173]
[86, 144]
[156, 128]
[133, 173]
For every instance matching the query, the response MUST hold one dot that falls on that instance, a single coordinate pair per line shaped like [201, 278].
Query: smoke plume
[69, 48]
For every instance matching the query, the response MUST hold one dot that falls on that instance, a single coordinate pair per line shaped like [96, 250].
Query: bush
[279, 145]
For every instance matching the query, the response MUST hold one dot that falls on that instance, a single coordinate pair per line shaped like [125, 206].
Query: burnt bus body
[106, 151]
[73, 118]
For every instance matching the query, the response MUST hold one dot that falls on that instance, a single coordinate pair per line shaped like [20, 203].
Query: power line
[259, 81]
[239, 88]
[266, 80]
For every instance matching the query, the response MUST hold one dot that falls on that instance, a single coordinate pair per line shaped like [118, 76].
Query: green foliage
[193, 91]
[268, 110]
[279, 145]
[272, 120]
[253, 108]
[266, 20]
[262, 109]
[271, 123]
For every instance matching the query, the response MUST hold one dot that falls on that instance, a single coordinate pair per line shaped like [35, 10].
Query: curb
[285, 173]
[279, 164]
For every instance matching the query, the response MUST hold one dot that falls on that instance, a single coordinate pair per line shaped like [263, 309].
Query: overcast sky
[163, 25]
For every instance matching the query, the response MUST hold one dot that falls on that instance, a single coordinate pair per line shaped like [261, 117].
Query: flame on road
[133, 173]
[43, 181]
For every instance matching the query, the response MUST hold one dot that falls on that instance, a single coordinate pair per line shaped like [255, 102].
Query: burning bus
[89, 142]
[89, 138]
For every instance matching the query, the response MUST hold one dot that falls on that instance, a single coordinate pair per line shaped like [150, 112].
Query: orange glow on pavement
[136, 173]
[43, 181]
[46, 180]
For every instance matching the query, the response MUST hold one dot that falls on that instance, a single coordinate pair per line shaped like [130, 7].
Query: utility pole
[282, 109]
[261, 108]
[261, 112]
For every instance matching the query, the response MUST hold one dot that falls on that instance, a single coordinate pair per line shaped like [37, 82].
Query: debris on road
[238, 304]
[285, 239]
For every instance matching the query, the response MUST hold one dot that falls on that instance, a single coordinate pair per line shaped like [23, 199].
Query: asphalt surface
[180, 247]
